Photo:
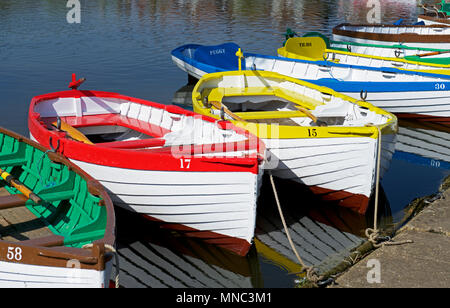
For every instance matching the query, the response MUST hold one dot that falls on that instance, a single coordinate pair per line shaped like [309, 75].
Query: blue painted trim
[420, 160]
[339, 86]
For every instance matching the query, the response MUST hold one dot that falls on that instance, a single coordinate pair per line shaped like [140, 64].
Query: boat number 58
[14, 253]
[439, 86]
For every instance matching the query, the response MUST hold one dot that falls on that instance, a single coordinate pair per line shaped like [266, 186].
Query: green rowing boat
[425, 55]
[57, 224]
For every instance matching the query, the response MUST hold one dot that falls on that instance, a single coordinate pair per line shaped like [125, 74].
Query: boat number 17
[14, 253]
[185, 163]
[439, 86]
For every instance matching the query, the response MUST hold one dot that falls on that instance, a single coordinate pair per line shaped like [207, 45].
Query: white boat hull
[410, 44]
[425, 103]
[342, 166]
[222, 204]
[17, 275]
[386, 52]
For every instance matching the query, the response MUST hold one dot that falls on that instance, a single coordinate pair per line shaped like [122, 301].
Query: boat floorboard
[19, 224]
[280, 121]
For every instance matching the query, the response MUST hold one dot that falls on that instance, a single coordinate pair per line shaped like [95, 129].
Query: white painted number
[439, 86]
[185, 163]
[14, 253]
[74, 15]
[435, 163]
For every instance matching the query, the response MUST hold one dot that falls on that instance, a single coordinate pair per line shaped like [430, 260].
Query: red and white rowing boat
[191, 172]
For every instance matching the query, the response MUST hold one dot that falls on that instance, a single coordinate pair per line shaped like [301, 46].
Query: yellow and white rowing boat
[315, 49]
[316, 136]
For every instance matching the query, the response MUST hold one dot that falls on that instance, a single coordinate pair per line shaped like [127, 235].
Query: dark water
[124, 46]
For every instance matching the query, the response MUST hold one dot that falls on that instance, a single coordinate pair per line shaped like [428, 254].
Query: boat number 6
[439, 86]
[185, 163]
[14, 253]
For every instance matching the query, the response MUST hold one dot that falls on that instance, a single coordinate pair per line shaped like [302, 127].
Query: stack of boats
[322, 113]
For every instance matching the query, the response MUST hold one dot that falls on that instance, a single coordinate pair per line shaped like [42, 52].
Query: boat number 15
[439, 86]
[14, 253]
[312, 132]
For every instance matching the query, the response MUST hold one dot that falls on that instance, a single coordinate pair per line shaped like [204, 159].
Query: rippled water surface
[124, 46]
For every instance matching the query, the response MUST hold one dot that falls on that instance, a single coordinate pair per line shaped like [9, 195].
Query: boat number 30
[14, 253]
[439, 86]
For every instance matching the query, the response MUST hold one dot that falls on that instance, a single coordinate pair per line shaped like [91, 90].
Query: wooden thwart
[12, 201]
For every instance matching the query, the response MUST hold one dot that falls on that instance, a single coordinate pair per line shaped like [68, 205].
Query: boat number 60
[14, 253]
[439, 86]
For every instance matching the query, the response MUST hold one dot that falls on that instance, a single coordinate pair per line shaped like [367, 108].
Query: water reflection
[323, 235]
[158, 258]
[424, 143]
[124, 46]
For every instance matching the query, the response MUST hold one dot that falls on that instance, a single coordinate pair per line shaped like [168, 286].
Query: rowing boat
[57, 224]
[435, 15]
[406, 93]
[434, 19]
[187, 171]
[314, 135]
[434, 36]
[397, 50]
[315, 49]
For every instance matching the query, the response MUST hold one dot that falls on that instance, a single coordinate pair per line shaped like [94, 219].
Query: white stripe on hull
[386, 52]
[375, 62]
[17, 275]
[193, 199]
[193, 71]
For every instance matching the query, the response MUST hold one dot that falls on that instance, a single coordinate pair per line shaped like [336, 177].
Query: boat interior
[285, 104]
[123, 124]
[68, 213]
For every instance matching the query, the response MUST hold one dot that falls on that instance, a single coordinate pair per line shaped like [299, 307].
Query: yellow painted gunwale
[440, 68]
[271, 131]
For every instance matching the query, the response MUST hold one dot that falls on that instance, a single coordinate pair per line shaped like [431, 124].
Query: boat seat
[11, 201]
[114, 120]
[217, 94]
[45, 241]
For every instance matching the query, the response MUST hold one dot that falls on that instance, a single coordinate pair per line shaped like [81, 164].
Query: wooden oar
[19, 186]
[435, 53]
[311, 116]
[220, 106]
[73, 133]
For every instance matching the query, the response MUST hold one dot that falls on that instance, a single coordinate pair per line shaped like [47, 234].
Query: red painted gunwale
[158, 159]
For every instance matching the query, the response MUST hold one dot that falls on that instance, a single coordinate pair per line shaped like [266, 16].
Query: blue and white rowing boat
[416, 94]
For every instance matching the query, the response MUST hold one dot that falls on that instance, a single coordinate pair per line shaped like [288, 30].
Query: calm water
[124, 46]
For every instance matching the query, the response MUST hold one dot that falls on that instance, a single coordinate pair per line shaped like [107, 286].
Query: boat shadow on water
[323, 234]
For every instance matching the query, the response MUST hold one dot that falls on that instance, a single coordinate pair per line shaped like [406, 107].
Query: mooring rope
[311, 273]
[116, 257]
[373, 234]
